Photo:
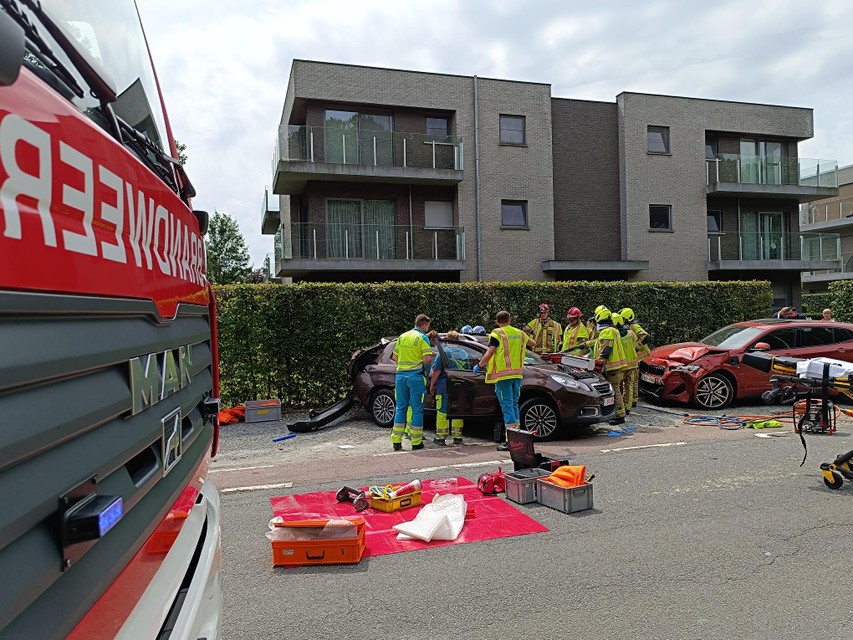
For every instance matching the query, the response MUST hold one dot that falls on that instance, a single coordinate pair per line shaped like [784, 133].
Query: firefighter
[643, 350]
[608, 348]
[411, 353]
[632, 372]
[546, 331]
[576, 333]
[457, 360]
[591, 326]
[505, 361]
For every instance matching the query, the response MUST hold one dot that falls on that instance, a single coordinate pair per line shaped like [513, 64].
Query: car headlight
[568, 382]
[685, 368]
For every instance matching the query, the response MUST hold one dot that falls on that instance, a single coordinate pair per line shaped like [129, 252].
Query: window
[657, 139]
[841, 335]
[513, 130]
[815, 336]
[438, 215]
[360, 229]
[514, 213]
[660, 217]
[710, 146]
[715, 221]
[351, 137]
[780, 339]
[459, 357]
[437, 128]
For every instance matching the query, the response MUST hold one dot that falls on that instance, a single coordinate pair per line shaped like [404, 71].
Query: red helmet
[574, 312]
[544, 306]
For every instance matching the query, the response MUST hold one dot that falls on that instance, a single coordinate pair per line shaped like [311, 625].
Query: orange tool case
[291, 553]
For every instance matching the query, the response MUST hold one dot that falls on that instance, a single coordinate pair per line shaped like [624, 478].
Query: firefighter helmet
[602, 314]
[574, 312]
[617, 319]
[466, 329]
[544, 306]
[479, 330]
[627, 314]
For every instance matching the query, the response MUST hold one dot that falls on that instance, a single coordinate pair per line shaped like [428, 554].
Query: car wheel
[540, 416]
[714, 391]
[382, 408]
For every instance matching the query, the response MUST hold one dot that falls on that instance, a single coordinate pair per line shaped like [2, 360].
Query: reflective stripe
[508, 360]
[617, 359]
[570, 338]
[410, 349]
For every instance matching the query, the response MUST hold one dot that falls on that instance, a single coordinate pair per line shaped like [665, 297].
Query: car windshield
[732, 337]
[531, 358]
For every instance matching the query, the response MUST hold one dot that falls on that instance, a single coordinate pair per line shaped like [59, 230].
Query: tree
[227, 254]
[256, 276]
[182, 152]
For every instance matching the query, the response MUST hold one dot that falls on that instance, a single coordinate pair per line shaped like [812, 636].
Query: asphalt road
[696, 532]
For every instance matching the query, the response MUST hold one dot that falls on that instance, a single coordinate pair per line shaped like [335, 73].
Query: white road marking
[278, 485]
[460, 466]
[643, 446]
[260, 466]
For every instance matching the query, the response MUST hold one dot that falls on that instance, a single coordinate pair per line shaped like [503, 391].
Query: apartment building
[831, 215]
[383, 174]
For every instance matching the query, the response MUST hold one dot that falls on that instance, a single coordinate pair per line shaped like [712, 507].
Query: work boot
[457, 440]
[416, 447]
[398, 446]
[503, 446]
[440, 443]
[617, 420]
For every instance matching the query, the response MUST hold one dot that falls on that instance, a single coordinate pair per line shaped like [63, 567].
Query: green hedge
[815, 303]
[293, 342]
[841, 301]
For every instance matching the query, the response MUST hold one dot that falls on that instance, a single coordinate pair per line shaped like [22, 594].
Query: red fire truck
[108, 357]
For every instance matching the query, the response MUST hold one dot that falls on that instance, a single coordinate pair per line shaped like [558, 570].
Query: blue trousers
[409, 391]
[508, 393]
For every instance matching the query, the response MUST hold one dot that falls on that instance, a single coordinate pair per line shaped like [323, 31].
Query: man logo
[156, 376]
[173, 447]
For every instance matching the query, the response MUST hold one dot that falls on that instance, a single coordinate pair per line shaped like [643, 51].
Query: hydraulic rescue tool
[358, 498]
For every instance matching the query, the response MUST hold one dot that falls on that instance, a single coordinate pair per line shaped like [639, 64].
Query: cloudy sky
[224, 64]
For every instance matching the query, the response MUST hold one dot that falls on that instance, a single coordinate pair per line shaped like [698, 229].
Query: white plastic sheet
[441, 519]
[813, 368]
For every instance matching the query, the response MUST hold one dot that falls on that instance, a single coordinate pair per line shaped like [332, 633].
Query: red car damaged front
[672, 371]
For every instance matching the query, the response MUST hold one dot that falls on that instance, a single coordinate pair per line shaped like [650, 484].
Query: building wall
[586, 180]
[678, 179]
[523, 173]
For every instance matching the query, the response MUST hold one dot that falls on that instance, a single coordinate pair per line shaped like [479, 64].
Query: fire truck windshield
[112, 34]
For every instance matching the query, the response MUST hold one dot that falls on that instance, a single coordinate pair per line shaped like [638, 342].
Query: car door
[815, 342]
[782, 342]
[842, 338]
[467, 393]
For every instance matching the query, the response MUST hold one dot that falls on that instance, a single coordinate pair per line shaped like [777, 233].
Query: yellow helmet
[627, 314]
[602, 313]
[617, 320]
[600, 307]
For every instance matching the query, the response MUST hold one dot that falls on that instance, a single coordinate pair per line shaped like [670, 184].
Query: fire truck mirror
[203, 218]
[11, 50]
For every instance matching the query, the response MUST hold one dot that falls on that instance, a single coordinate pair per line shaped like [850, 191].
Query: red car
[710, 374]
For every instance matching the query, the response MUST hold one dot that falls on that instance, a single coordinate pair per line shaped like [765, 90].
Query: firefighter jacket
[574, 337]
[508, 360]
[546, 335]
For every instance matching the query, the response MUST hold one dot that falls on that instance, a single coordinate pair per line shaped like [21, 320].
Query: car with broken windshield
[555, 398]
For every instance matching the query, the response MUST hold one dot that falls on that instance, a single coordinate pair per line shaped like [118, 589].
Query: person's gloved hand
[476, 368]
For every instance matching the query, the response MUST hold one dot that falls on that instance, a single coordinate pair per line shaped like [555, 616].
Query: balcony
[332, 248]
[802, 179]
[270, 213]
[773, 251]
[828, 215]
[306, 153]
[843, 271]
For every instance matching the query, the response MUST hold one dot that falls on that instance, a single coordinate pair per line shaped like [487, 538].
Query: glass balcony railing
[344, 241]
[840, 210]
[845, 266]
[774, 246]
[763, 170]
[270, 203]
[372, 148]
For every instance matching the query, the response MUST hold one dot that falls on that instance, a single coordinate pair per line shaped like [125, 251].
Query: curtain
[749, 235]
[380, 232]
[343, 233]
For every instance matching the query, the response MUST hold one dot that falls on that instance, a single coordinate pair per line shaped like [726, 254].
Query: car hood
[685, 352]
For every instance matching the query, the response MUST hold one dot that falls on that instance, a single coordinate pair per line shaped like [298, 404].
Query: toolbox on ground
[395, 504]
[521, 485]
[567, 500]
[524, 455]
[263, 410]
[307, 546]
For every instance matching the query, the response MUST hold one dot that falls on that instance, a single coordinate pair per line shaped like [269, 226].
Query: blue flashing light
[108, 518]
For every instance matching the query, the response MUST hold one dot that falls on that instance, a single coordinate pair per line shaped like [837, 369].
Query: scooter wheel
[836, 481]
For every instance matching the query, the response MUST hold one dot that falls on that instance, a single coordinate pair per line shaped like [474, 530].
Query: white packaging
[813, 368]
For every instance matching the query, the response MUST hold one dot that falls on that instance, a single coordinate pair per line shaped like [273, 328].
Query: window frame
[668, 229]
[720, 231]
[523, 204]
[666, 140]
[435, 136]
[507, 116]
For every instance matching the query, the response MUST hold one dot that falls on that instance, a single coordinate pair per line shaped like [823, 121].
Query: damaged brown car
[554, 398]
